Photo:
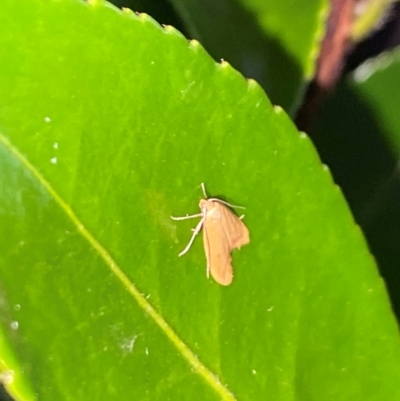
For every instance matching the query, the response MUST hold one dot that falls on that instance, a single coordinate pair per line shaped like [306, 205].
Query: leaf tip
[194, 44]
[224, 64]
[170, 30]
[126, 10]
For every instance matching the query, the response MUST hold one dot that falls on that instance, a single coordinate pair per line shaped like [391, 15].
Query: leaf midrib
[210, 378]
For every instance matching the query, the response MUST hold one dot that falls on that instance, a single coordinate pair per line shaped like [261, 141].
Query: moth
[223, 231]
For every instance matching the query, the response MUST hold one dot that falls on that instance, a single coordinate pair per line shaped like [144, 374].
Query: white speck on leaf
[186, 90]
[14, 325]
[128, 344]
[53, 160]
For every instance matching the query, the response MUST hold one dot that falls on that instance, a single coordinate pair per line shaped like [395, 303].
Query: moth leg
[192, 216]
[195, 232]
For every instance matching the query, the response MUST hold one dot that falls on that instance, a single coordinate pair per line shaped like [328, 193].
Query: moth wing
[236, 232]
[217, 249]
[223, 232]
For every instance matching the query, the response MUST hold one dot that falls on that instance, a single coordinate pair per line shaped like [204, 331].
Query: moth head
[206, 205]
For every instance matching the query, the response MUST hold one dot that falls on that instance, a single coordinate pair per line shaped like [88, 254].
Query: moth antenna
[226, 203]
[219, 200]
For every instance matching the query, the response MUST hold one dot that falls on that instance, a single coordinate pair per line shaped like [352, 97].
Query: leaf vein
[210, 378]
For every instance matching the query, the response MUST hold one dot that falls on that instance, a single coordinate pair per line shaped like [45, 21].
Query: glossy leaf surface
[108, 125]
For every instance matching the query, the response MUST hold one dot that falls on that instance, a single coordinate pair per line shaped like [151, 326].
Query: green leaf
[108, 125]
[357, 135]
[370, 18]
[276, 43]
[377, 81]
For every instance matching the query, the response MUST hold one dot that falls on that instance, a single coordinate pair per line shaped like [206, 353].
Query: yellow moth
[223, 231]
